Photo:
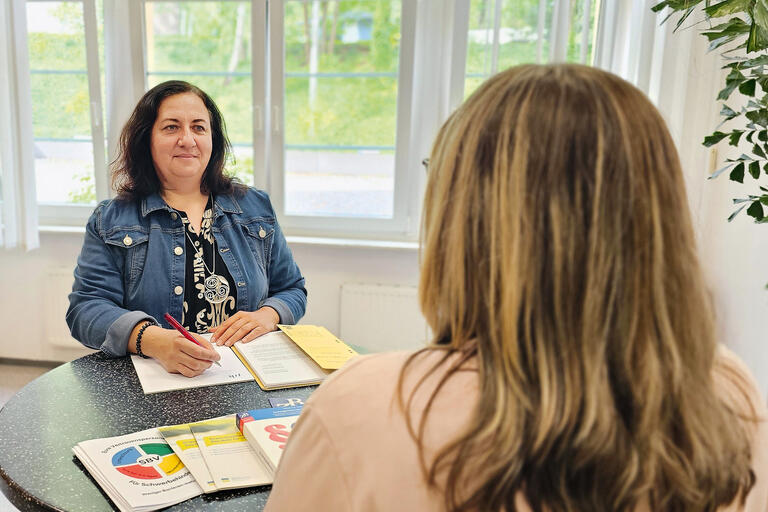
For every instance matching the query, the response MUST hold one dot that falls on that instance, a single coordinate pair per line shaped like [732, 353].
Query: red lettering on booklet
[278, 433]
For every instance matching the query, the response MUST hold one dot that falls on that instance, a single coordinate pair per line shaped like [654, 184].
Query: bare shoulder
[737, 385]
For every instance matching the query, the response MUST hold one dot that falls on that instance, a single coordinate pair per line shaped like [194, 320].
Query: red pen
[176, 325]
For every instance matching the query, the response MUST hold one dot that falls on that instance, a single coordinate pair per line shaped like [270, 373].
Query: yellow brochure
[328, 351]
[231, 461]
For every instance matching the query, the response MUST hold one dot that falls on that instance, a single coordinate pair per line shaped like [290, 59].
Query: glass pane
[519, 33]
[209, 45]
[341, 61]
[518, 36]
[577, 28]
[64, 171]
[60, 103]
[56, 36]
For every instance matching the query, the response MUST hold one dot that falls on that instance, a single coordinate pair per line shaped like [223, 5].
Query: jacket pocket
[259, 235]
[132, 244]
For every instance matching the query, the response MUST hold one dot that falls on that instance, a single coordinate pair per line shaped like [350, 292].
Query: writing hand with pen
[175, 351]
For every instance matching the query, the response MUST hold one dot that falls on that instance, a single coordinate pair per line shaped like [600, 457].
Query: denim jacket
[129, 269]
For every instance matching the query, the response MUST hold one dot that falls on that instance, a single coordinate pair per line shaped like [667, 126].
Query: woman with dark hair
[180, 237]
[575, 364]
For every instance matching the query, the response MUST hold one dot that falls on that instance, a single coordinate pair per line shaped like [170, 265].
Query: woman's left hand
[245, 326]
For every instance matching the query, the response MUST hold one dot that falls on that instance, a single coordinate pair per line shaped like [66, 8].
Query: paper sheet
[230, 459]
[279, 362]
[154, 378]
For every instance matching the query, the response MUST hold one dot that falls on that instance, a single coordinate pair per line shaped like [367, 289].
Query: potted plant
[739, 28]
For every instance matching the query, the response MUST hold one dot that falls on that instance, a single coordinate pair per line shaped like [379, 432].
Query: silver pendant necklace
[216, 287]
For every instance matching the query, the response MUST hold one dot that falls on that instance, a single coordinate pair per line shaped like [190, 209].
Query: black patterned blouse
[199, 313]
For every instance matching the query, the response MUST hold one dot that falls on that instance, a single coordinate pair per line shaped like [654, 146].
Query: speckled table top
[94, 397]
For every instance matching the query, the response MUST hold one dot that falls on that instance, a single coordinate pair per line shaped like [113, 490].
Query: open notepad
[296, 355]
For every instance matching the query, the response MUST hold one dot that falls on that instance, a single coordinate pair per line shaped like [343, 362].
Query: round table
[97, 396]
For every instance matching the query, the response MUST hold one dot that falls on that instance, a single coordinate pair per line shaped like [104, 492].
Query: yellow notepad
[328, 351]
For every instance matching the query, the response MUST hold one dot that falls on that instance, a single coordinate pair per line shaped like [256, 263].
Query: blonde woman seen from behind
[575, 365]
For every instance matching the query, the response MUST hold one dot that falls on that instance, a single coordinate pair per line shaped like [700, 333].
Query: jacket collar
[153, 202]
[222, 203]
[226, 203]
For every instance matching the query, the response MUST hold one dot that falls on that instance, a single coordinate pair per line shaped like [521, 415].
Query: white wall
[732, 254]
[32, 302]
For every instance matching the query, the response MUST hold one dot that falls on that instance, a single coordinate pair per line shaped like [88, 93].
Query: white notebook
[275, 362]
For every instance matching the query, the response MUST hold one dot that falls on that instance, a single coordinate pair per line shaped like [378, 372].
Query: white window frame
[57, 213]
[431, 78]
[403, 223]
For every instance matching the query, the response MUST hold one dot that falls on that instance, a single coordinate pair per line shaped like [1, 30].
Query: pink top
[351, 451]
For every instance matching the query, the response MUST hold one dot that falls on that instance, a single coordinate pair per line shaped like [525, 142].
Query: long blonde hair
[558, 251]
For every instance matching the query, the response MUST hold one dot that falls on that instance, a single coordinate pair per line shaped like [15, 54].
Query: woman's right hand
[176, 353]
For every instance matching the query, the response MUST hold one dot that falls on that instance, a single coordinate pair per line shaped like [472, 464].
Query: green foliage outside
[200, 41]
[521, 18]
[739, 28]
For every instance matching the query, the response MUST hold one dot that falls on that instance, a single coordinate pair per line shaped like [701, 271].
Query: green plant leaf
[762, 136]
[749, 137]
[733, 80]
[756, 149]
[676, 5]
[711, 140]
[734, 214]
[758, 38]
[728, 112]
[737, 174]
[754, 169]
[762, 60]
[726, 32]
[764, 199]
[727, 7]
[747, 88]
[759, 117]
[760, 15]
[733, 140]
[755, 210]
[720, 171]
[684, 17]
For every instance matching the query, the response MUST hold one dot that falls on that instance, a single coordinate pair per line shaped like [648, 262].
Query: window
[505, 33]
[65, 90]
[207, 43]
[330, 104]
[337, 97]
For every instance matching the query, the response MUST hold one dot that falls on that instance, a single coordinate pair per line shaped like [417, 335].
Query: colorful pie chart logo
[147, 461]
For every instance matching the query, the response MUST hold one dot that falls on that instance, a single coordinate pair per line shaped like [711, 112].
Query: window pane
[209, 45]
[518, 35]
[341, 61]
[519, 40]
[577, 22]
[60, 102]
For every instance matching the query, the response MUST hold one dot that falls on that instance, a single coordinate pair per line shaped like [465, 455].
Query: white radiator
[56, 300]
[379, 318]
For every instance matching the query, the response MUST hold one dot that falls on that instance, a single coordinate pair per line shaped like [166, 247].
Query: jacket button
[262, 233]
[178, 251]
[174, 215]
[178, 290]
[127, 240]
